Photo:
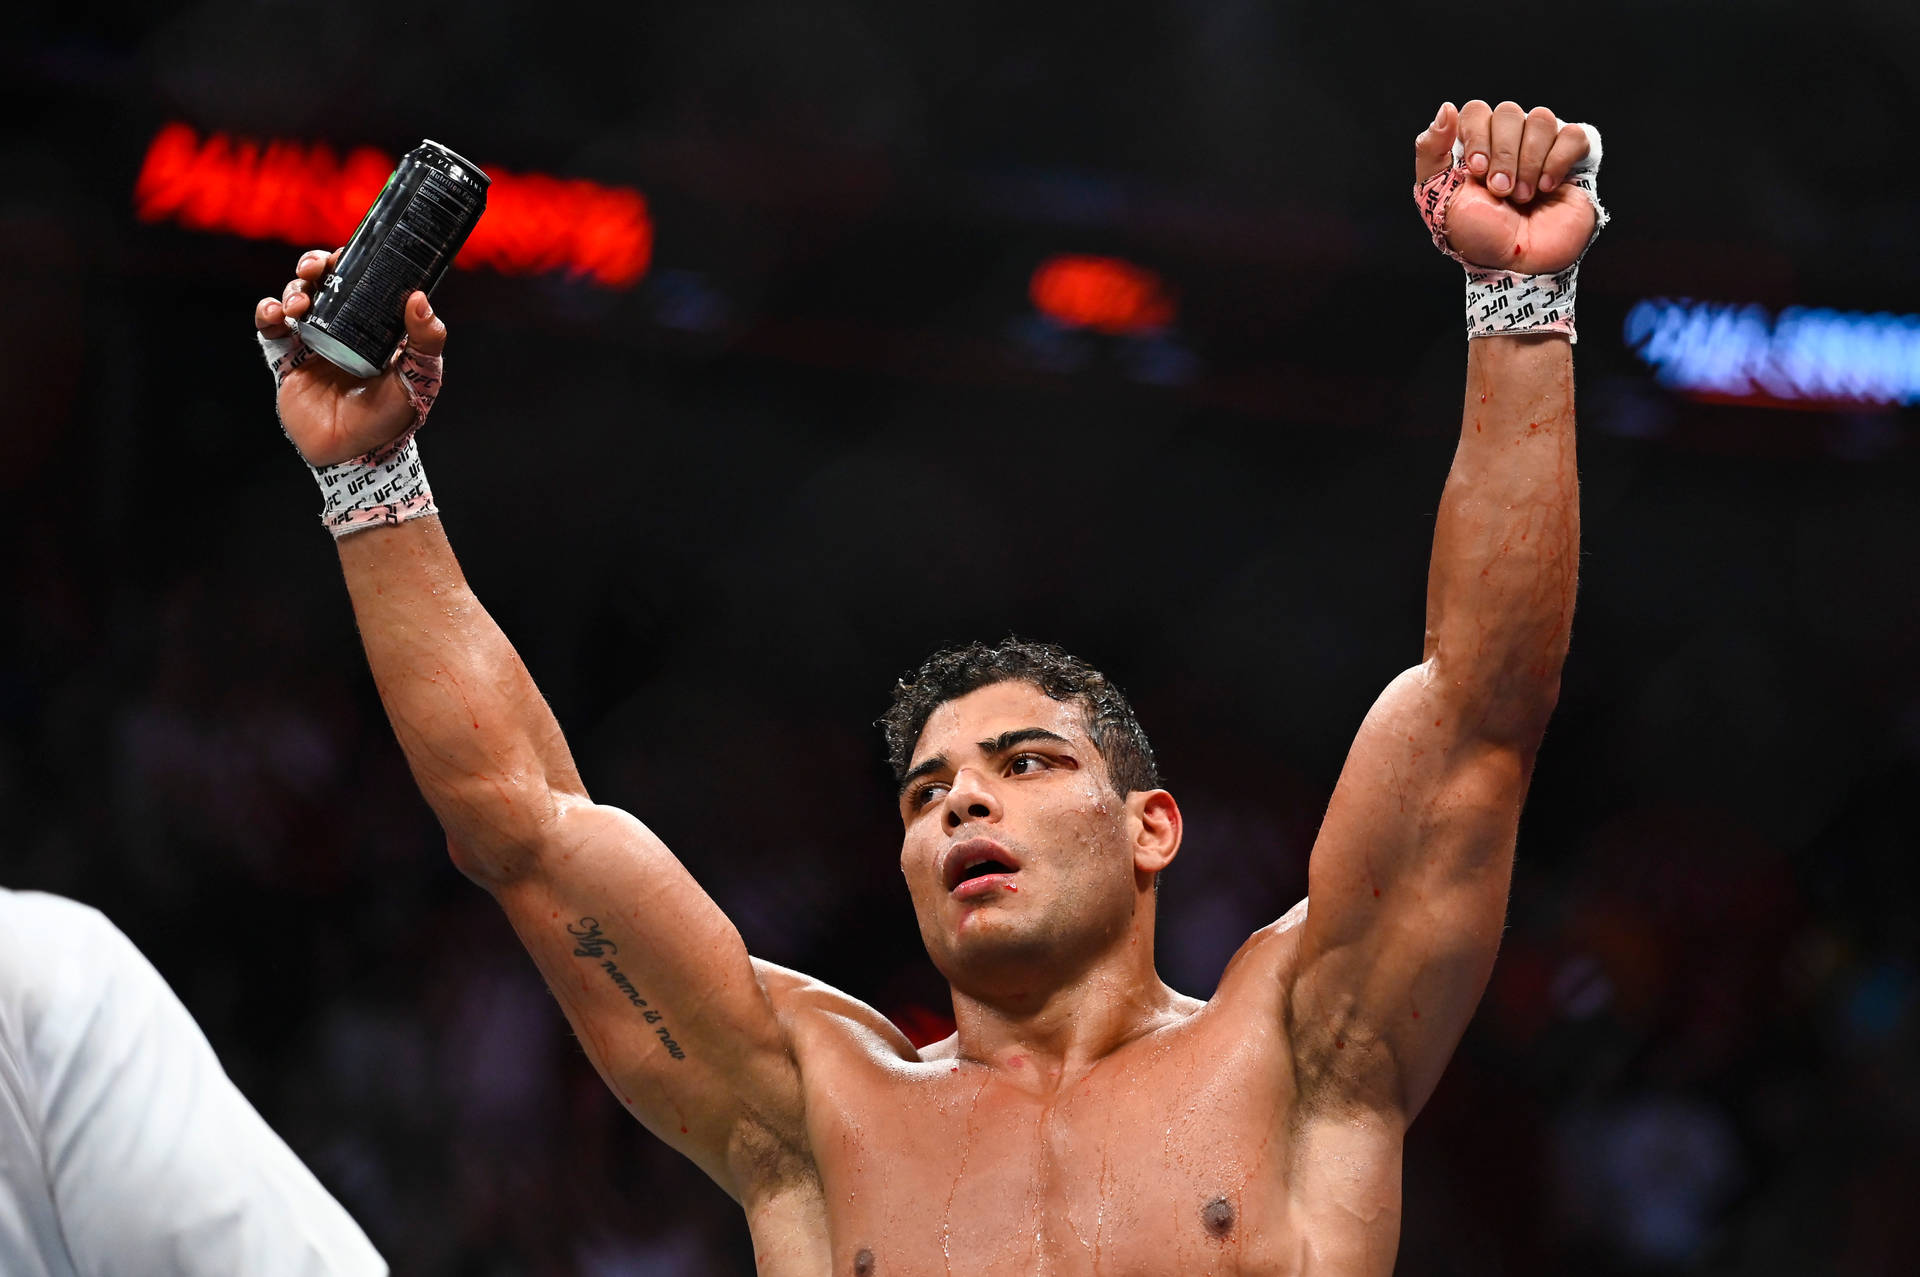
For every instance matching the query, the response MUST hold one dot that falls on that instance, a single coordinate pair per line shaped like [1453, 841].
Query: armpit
[1341, 1062]
[765, 1158]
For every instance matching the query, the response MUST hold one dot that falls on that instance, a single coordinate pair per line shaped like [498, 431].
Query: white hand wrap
[382, 487]
[1504, 301]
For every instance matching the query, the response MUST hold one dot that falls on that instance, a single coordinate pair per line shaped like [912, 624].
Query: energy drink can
[405, 242]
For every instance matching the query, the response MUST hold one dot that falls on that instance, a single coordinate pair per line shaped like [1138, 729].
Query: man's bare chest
[1166, 1161]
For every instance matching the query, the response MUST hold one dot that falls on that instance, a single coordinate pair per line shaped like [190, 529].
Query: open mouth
[977, 859]
[984, 868]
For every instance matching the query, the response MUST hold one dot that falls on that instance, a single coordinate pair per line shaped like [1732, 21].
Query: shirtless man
[1085, 1117]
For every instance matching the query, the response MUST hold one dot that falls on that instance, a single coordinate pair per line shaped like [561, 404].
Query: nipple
[863, 1263]
[1217, 1215]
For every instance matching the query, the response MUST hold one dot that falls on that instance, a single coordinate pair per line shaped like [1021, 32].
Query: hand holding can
[403, 245]
[330, 414]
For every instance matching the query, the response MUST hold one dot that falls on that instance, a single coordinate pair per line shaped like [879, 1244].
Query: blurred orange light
[306, 194]
[1101, 293]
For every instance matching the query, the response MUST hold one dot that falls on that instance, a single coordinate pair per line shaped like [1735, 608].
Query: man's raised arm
[654, 978]
[1408, 879]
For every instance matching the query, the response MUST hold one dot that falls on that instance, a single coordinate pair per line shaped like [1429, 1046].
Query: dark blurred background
[833, 424]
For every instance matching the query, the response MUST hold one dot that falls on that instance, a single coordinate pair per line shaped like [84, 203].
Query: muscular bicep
[658, 985]
[1407, 891]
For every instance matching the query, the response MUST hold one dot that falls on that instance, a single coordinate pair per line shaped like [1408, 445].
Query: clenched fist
[1514, 212]
[330, 414]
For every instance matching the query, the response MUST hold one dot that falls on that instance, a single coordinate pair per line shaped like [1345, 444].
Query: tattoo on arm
[591, 942]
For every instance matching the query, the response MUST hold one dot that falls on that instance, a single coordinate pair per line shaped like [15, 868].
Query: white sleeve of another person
[153, 1162]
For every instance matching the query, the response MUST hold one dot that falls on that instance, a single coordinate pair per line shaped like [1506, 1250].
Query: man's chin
[987, 950]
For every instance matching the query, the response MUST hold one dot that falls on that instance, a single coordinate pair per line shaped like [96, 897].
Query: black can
[405, 242]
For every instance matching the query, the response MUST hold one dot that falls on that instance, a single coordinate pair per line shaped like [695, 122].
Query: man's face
[1018, 853]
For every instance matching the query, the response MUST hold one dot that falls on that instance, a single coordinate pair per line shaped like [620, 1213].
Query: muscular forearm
[1507, 540]
[483, 746]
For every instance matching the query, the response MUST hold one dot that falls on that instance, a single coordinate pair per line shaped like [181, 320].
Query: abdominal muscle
[1180, 1153]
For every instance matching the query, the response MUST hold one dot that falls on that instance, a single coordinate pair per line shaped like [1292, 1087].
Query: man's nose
[970, 799]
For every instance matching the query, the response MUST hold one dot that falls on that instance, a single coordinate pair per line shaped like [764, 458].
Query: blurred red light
[1102, 293]
[305, 194]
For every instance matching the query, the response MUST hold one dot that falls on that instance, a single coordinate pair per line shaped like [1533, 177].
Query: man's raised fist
[1514, 211]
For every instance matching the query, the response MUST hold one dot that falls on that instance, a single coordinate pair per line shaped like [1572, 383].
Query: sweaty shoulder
[814, 1015]
[1258, 972]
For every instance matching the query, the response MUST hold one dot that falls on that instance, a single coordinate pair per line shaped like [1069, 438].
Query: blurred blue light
[1745, 352]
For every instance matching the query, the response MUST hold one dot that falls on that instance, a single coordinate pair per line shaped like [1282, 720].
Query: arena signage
[1104, 294]
[307, 194]
[1721, 350]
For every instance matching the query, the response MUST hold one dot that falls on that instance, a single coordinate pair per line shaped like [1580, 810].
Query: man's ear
[1156, 839]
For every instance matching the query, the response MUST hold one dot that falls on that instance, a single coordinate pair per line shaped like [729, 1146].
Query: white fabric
[125, 1150]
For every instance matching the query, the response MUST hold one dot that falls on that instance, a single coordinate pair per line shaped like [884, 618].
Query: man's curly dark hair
[951, 674]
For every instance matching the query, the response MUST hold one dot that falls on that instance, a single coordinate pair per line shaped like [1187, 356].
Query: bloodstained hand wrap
[379, 488]
[1504, 302]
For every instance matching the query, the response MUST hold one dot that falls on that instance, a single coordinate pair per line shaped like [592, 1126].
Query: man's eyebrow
[997, 745]
[1019, 736]
[934, 764]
